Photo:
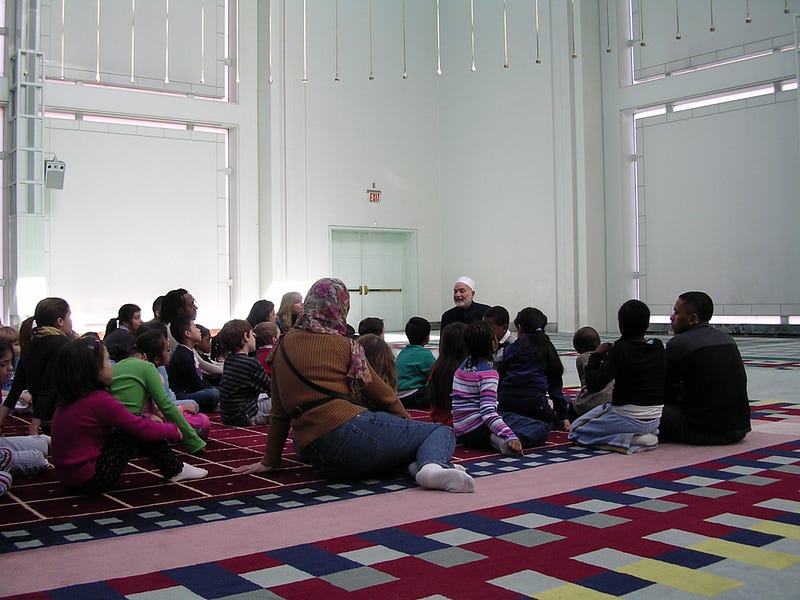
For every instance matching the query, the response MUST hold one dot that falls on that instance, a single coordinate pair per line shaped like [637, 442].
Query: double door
[379, 269]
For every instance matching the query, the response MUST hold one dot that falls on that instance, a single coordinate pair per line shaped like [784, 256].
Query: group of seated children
[104, 401]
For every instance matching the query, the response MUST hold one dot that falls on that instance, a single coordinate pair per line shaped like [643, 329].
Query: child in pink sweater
[93, 435]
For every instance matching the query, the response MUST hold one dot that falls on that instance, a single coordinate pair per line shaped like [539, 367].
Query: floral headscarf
[325, 310]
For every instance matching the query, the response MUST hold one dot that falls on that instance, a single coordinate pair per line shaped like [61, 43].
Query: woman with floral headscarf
[315, 372]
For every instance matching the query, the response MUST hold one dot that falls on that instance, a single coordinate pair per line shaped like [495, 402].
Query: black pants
[117, 451]
[675, 427]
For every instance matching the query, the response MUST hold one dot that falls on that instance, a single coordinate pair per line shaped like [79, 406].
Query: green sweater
[413, 366]
[135, 381]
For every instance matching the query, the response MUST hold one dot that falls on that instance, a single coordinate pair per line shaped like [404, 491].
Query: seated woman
[531, 373]
[40, 344]
[315, 372]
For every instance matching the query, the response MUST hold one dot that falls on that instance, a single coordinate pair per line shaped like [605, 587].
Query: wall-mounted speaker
[54, 174]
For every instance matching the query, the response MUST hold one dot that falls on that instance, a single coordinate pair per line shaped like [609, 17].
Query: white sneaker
[189, 472]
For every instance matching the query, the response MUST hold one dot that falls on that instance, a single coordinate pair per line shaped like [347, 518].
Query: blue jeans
[374, 443]
[207, 398]
[530, 432]
[602, 426]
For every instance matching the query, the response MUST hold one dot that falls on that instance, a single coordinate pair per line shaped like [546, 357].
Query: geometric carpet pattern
[34, 535]
[729, 528]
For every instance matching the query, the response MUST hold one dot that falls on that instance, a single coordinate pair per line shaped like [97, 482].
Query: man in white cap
[465, 309]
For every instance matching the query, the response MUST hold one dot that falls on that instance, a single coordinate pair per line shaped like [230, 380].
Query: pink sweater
[80, 430]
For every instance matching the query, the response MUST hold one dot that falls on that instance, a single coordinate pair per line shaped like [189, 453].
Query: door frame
[410, 278]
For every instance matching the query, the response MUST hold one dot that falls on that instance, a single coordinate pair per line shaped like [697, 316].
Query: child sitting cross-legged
[414, 363]
[476, 420]
[94, 435]
[267, 334]
[185, 374]
[245, 386]
[629, 423]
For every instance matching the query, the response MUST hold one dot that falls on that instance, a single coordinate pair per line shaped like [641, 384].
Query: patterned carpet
[725, 529]
[38, 511]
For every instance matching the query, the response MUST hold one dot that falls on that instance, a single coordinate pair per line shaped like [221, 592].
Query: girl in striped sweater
[476, 420]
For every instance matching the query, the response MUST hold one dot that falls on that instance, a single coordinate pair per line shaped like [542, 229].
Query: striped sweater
[475, 401]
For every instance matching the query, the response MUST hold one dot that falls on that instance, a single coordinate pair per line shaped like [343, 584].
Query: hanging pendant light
[472, 68]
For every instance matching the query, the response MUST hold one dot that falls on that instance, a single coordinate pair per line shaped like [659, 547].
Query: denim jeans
[374, 443]
[29, 453]
[207, 398]
[602, 426]
[530, 432]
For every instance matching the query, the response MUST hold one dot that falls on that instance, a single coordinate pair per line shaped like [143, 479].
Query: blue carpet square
[95, 591]
[480, 524]
[790, 518]
[607, 495]
[210, 580]
[311, 559]
[697, 472]
[751, 538]
[691, 559]
[402, 541]
[614, 584]
[659, 484]
[550, 510]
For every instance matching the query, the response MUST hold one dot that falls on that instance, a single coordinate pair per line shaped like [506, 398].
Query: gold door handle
[366, 290]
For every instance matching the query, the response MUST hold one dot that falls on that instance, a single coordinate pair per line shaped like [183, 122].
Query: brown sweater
[325, 360]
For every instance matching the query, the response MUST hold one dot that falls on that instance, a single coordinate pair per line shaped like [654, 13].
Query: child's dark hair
[150, 344]
[157, 306]
[370, 325]
[633, 318]
[76, 368]
[530, 323]
[179, 327]
[452, 352]
[120, 347]
[171, 305]
[265, 333]
[6, 347]
[380, 357]
[479, 340]
[498, 315]
[48, 312]
[418, 330]
[153, 326]
[260, 312]
[700, 303]
[205, 332]
[586, 339]
[231, 334]
[124, 315]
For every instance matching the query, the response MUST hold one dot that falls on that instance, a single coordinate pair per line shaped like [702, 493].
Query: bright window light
[649, 112]
[732, 319]
[745, 320]
[722, 98]
[795, 320]
[788, 85]
[720, 63]
[136, 122]
[64, 116]
[207, 129]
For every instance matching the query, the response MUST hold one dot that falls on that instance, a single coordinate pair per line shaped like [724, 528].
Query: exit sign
[374, 196]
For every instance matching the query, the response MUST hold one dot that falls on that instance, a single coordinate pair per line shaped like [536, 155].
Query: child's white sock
[644, 439]
[189, 472]
[436, 477]
[413, 469]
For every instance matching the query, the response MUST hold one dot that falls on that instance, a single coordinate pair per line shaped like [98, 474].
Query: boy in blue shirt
[414, 364]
